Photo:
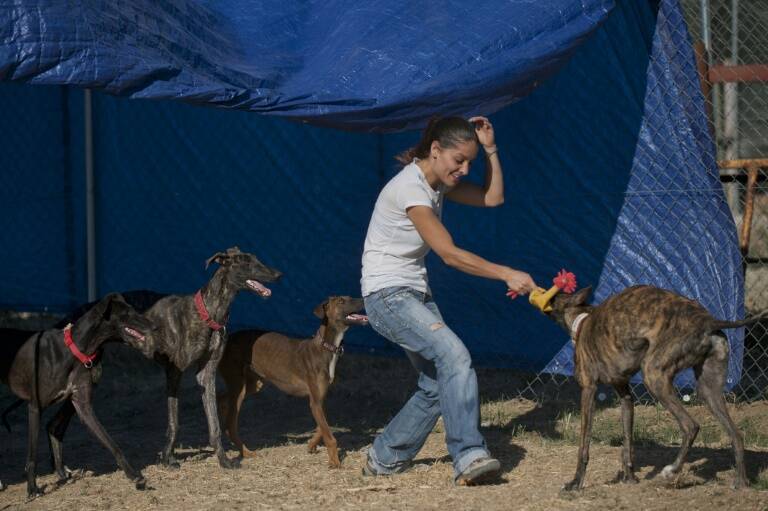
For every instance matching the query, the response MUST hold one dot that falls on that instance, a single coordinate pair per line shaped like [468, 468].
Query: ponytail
[448, 131]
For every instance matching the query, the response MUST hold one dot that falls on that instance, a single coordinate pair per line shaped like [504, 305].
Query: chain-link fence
[734, 59]
[730, 41]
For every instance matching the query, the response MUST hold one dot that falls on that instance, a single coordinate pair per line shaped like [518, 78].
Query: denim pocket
[384, 294]
[396, 300]
[380, 315]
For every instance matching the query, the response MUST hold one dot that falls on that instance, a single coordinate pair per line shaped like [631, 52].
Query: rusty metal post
[749, 206]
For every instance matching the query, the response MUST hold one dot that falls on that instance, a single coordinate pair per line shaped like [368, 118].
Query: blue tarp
[609, 164]
[373, 65]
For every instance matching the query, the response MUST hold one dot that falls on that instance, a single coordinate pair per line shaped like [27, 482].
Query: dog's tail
[721, 325]
[8, 410]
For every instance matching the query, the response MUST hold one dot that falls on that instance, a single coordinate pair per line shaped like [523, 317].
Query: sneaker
[479, 471]
[370, 470]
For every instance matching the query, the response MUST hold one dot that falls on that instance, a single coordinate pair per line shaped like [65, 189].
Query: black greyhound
[191, 332]
[56, 365]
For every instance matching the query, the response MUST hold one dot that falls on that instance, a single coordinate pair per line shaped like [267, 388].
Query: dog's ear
[218, 257]
[320, 309]
[581, 296]
[112, 304]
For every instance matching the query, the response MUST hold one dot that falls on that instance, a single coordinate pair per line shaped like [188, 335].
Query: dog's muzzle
[134, 333]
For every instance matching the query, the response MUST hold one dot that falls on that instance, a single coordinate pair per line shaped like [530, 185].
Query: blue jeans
[447, 382]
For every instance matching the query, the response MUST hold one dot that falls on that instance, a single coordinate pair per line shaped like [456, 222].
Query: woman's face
[450, 164]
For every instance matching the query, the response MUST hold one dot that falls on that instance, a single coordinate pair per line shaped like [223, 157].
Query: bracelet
[493, 151]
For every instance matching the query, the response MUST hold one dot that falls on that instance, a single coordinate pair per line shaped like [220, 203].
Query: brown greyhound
[302, 368]
[662, 333]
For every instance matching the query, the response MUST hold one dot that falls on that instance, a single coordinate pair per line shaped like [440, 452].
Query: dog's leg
[250, 387]
[627, 474]
[315, 441]
[222, 406]
[31, 468]
[316, 405]
[229, 405]
[661, 387]
[316, 438]
[56, 428]
[206, 378]
[172, 380]
[587, 410]
[82, 403]
[711, 382]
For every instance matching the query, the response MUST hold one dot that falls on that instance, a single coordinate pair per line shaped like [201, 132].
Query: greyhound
[662, 333]
[62, 365]
[139, 299]
[299, 368]
[191, 332]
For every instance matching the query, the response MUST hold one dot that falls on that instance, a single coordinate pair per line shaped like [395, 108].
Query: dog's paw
[68, 475]
[574, 485]
[229, 464]
[3, 486]
[141, 483]
[627, 477]
[33, 493]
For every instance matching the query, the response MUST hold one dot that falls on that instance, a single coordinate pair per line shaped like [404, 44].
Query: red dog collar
[87, 360]
[203, 313]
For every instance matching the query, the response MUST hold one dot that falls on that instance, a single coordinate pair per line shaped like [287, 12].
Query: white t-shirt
[394, 250]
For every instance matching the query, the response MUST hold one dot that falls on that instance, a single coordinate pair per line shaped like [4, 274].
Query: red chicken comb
[566, 281]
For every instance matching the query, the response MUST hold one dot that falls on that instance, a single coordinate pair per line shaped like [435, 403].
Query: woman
[405, 225]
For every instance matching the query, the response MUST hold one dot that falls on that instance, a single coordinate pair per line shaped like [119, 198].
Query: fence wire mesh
[730, 40]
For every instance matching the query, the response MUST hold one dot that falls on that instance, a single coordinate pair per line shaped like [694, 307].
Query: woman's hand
[484, 130]
[518, 282]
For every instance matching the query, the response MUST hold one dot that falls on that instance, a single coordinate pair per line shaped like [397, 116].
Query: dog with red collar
[192, 333]
[62, 365]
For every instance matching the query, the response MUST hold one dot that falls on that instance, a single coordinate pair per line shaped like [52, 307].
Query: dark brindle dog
[56, 365]
[303, 368]
[191, 332]
[662, 333]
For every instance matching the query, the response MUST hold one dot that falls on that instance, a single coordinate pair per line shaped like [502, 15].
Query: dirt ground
[535, 444]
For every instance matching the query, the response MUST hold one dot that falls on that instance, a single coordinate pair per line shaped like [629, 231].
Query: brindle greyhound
[662, 333]
[191, 332]
[297, 367]
[47, 367]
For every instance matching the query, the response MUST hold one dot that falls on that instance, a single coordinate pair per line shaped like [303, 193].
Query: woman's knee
[452, 354]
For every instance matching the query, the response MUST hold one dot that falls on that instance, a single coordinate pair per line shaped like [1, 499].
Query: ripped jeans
[447, 382]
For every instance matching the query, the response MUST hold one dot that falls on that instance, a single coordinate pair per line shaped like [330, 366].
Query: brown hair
[448, 131]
